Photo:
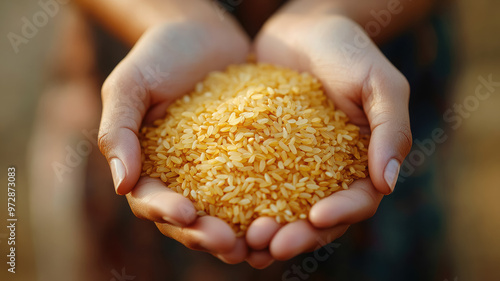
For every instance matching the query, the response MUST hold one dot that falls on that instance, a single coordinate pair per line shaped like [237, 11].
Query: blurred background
[70, 224]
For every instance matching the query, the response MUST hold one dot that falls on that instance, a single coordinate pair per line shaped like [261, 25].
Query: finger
[152, 200]
[350, 206]
[237, 254]
[300, 237]
[207, 233]
[260, 259]
[385, 100]
[261, 231]
[124, 102]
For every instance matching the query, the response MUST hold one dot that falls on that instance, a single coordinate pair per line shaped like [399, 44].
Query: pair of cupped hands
[167, 62]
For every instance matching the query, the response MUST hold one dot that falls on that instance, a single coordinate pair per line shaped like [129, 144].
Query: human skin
[304, 35]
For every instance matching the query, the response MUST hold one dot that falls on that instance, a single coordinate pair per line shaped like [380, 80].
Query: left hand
[166, 63]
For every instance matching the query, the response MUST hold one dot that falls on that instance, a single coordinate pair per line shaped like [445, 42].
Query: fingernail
[117, 171]
[391, 173]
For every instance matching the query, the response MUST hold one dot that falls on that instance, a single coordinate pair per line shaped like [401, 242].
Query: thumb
[385, 100]
[124, 102]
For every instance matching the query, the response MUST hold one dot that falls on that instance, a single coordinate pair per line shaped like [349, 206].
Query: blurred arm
[128, 19]
[382, 19]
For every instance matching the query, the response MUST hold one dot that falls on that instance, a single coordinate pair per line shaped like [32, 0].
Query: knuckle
[192, 243]
[371, 212]
[373, 203]
[137, 214]
[108, 85]
[403, 82]
[154, 212]
[134, 207]
[406, 139]
[404, 85]
[393, 77]
[103, 141]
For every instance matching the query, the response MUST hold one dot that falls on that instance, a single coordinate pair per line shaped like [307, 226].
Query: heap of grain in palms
[255, 140]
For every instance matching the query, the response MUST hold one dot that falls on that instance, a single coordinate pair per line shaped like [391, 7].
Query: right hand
[166, 63]
[369, 89]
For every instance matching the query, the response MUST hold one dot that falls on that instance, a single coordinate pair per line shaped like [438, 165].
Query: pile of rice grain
[255, 140]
